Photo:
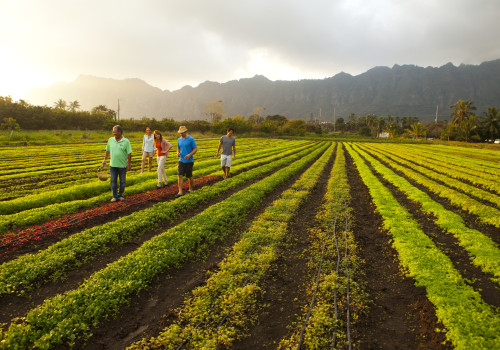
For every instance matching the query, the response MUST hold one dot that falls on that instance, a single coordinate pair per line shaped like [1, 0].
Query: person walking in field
[120, 152]
[162, 148]
[186, 148]
[228, 144]
[148, 149]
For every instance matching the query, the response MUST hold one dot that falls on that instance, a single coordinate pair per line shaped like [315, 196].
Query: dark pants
[114, 173]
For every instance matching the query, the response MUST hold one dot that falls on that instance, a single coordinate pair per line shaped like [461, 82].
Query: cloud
[172, 43]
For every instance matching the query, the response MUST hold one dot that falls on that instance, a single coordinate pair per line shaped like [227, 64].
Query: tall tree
[256, 117]
[417, 129]
[215, 111]
[462, 117]
[73, 106]
[60, 104]
[467, 126]
[462, 110]
[491, 122]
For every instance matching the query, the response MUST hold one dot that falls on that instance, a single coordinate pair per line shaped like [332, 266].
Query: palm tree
[461, 111]
[373, 123]
[491, 122]
[463, 118]
[467, 126]
[60, 104]
[416, 129]
[73, 106]
[392, 130]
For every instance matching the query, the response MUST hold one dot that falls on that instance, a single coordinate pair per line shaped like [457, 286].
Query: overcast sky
[170, 44]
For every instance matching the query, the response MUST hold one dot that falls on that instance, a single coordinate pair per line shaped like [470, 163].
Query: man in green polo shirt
[121, 154]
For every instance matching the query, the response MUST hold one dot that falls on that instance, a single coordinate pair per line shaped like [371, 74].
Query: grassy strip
[36, 215]
[485, 214]
[470, 322]
[28, 271]
[227, 304]
[483, 251]
[67, 316]
[445, 175]
[457, 160]
[93, 189]
[457, 171]
[329, 292]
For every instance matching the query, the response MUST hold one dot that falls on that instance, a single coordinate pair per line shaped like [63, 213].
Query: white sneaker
[113, 199]
[122, 198]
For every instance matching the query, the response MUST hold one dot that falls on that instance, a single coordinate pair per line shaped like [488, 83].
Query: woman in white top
[148, 149]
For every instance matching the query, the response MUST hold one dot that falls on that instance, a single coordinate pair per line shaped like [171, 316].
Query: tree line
[464, 124]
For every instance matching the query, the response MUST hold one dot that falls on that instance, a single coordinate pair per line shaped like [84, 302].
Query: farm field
[307, 245]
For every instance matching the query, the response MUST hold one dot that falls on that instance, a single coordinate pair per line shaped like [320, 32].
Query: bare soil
[399, 315]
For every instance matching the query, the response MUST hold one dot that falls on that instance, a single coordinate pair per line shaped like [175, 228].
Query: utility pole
[437, 109]
[118, 114]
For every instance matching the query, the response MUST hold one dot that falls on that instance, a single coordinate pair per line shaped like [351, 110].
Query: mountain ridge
[401, 90]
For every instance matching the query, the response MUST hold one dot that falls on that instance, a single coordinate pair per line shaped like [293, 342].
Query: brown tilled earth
[398, 316]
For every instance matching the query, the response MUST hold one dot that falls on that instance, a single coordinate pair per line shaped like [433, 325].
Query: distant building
[384, 135]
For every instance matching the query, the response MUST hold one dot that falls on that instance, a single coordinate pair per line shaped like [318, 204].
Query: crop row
[47, 212]
[8, 192]
[69, 315]
[16, 188]
[94, 188]
[50, 158]
[36, 215]
[470, 322]
[468, 162]
[482, 249]
[486, 214]
[220, 311]
[22, 272]
[475, 153]
[12, 241]
[336, 294]
[63, 168]
[399, 157]
[449, 171]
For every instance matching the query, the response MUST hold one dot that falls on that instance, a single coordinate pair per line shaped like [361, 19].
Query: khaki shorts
[225, 160]
[148, 154]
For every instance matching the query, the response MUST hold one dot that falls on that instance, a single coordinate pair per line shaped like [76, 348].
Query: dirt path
[460, 258]
[399, 315]
[152, 310]
[15, 306]
[284, 285]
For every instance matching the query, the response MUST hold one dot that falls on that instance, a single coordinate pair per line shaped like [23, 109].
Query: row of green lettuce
[68, 316]
[465, 160]
[485, 214]
[336, 294]
[470, 322]
[75, 158]
[482, 249]
[222, 310]
[47, 205]
[451, 176]
[28, 271]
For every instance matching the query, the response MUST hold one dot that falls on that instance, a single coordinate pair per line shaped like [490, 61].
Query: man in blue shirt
[186, 148]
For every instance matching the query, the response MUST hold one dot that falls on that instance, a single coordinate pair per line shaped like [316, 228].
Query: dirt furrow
[399, 315]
